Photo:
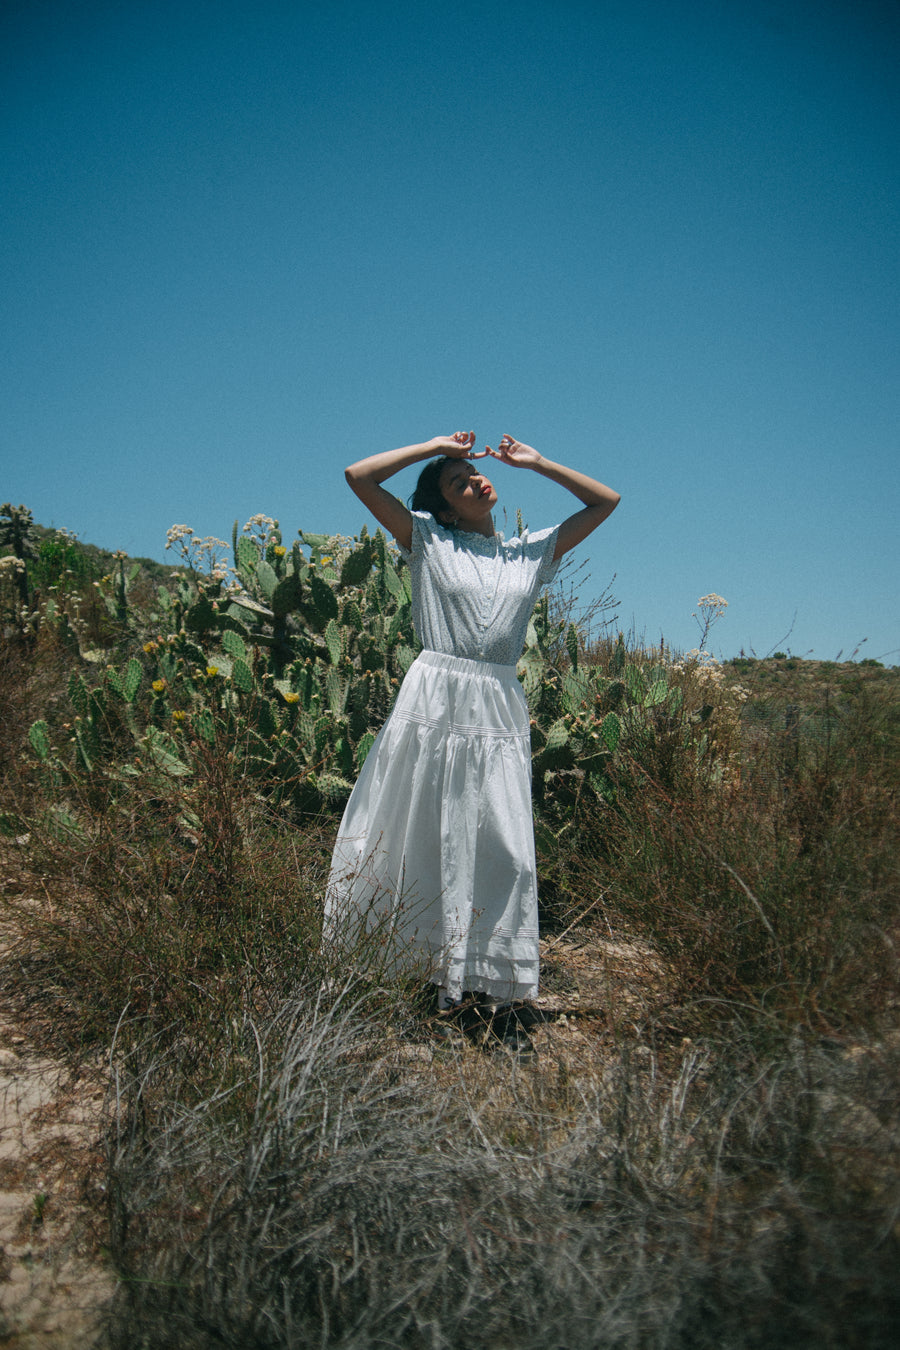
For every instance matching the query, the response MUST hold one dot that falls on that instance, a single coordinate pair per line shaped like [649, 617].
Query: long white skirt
[436, 847]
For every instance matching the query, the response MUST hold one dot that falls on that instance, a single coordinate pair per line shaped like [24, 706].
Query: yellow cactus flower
[280, 550]
[158, 686]
[292, 697]
[179, 715]
[212, 671]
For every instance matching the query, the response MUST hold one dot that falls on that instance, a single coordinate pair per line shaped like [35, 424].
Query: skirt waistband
[464, 665]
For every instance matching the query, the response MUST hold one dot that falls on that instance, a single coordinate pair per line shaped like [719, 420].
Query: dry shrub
[331, 1191]
[172, 903]
[778, 890]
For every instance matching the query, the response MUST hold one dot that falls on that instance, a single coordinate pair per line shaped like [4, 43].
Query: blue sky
[246, 243]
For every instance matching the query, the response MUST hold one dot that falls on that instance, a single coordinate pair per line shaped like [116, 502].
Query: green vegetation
[706, 1152]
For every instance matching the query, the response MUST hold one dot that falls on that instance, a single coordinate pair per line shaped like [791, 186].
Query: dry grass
[705, 1154]
[345, 1192]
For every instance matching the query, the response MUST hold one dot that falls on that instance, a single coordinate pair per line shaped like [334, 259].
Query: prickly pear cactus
[296, 660]
[293, 660]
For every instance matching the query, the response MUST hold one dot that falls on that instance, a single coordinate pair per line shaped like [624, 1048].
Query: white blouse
[473, 596]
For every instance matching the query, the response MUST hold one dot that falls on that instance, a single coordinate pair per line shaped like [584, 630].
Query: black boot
[507, 1033]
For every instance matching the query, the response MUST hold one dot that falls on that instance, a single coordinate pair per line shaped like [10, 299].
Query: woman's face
[470, 497]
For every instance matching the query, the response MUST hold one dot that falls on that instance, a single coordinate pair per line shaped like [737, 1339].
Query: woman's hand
[511, 451]
[457, 446]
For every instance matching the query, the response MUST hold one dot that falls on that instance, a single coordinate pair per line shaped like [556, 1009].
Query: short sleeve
[423, 523]
[540, 547]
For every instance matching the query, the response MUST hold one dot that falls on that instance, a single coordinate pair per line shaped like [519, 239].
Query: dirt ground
[52, 1272]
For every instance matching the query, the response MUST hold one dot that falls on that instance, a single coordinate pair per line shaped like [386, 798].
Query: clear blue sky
[246, 243]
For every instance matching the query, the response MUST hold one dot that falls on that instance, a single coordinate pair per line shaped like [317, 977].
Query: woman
[437, 840]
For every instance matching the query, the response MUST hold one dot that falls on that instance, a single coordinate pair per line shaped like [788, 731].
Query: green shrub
[62, 564]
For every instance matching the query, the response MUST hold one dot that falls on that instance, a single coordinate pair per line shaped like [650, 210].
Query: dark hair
[428, 495]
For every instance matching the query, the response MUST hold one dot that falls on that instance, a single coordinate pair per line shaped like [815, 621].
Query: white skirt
[436, 847]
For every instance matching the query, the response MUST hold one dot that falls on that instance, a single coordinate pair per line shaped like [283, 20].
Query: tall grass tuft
[177, 905]
[330, 1191]
[776, 887]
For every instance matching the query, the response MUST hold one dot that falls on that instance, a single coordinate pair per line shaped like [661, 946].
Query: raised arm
[599, 500]
[366, 477]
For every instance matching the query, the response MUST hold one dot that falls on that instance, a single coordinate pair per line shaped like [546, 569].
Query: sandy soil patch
[53, 1277]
